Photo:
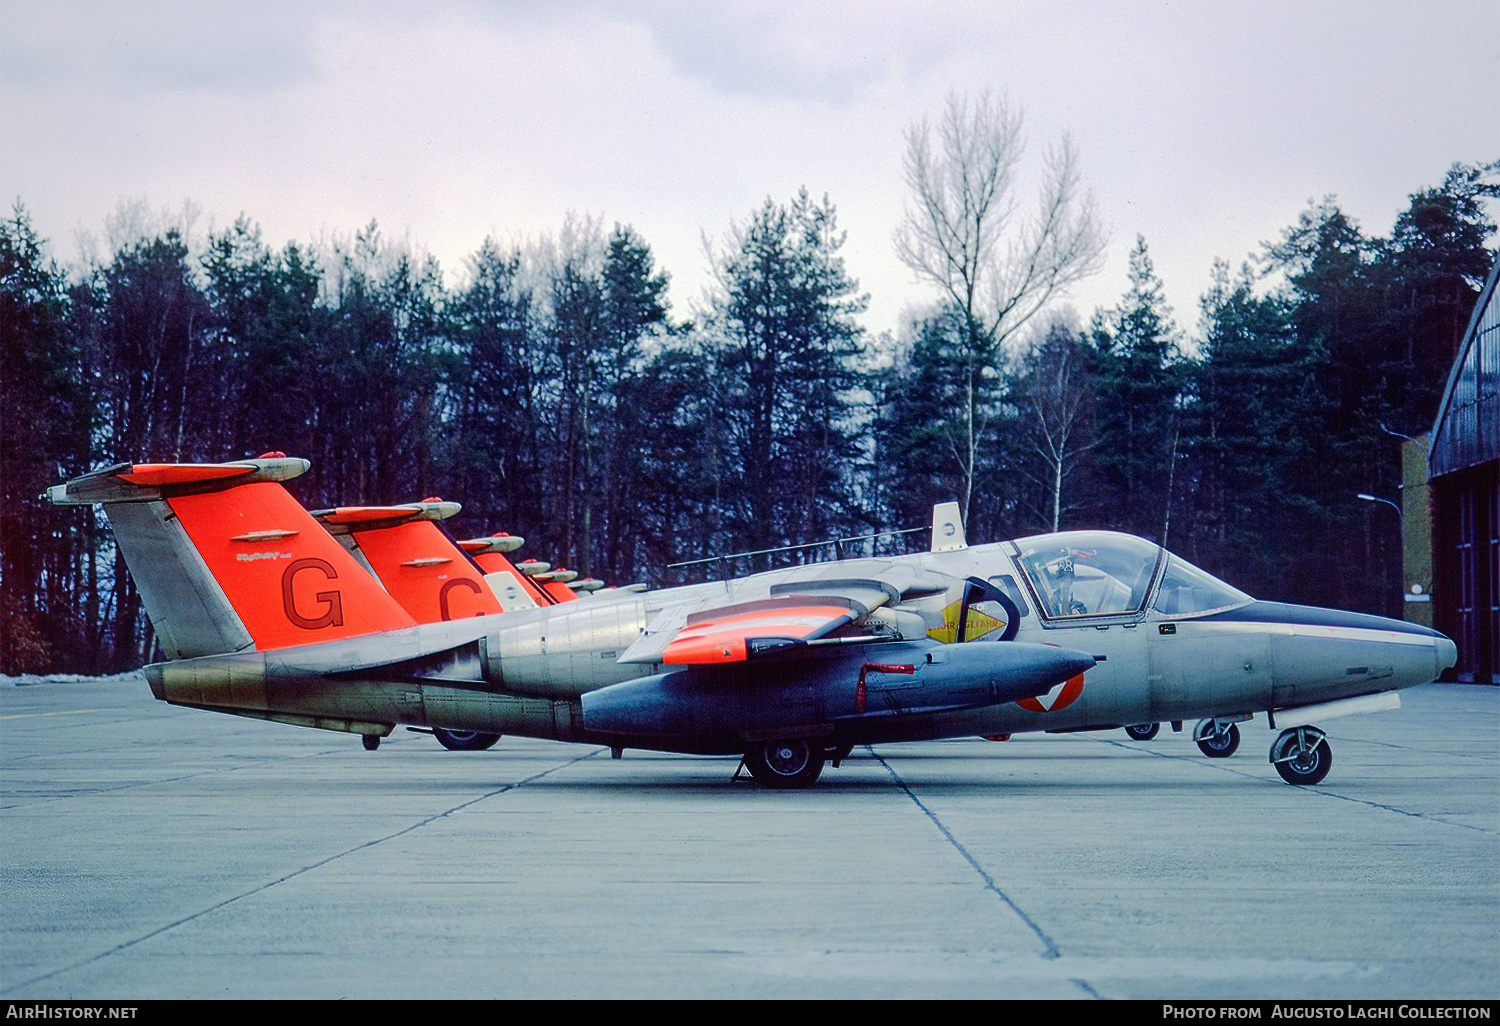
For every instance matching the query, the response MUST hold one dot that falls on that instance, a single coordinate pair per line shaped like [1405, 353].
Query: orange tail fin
[226, 560]
[421, 567]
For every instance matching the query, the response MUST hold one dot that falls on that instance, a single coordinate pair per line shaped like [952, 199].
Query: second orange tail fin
[422, 568]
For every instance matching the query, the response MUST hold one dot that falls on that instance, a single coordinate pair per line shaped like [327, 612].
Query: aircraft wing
[788, 610]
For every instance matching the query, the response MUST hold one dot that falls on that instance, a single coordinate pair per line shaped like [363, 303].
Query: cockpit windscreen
[1186, 591]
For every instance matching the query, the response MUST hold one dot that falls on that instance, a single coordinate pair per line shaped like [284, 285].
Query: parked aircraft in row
[365, 618]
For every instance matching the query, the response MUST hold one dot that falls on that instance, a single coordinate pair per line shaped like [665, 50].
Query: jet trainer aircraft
[263, 613]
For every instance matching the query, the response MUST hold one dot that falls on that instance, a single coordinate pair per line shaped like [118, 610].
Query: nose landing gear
[1302, 755]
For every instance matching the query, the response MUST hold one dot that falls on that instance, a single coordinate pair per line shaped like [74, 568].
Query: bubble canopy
[1087, 574]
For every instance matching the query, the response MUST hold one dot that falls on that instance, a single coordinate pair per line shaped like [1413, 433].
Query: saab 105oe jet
[262, 612]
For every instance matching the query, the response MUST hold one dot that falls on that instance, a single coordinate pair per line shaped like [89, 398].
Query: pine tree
[1435, 263]
[493, 438]
[266, 315]
[380, 359]
[1245, 438]
[787, 342]
[631, 413]
[921, 454]
[1140, 385]
[44, 433]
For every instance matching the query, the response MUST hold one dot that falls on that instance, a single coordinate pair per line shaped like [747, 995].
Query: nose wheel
[1302, 756]
[1142, 731]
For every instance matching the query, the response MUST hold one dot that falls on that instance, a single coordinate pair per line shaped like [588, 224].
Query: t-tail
[423, 569]
[514, 589]
[227, 561]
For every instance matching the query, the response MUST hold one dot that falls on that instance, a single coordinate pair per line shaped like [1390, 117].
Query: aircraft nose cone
[1447, 654]
[1322, 654]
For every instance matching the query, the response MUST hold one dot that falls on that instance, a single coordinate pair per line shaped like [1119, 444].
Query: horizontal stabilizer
[145, 482]
[356, 518]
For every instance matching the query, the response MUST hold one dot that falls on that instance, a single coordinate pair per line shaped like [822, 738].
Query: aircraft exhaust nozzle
[220, 682]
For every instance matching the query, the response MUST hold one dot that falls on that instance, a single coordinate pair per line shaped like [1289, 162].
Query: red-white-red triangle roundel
[1060, 697]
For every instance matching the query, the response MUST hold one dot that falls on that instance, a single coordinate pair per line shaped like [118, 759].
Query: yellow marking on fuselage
[979, 625]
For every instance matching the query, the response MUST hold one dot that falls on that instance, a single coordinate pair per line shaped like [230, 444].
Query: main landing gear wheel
[785, 765]
[464, 740]
[1302, 756]
[1217, 739]
[1142, 731]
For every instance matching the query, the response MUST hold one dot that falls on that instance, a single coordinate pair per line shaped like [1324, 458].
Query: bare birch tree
[964, 234]
[1058, 393]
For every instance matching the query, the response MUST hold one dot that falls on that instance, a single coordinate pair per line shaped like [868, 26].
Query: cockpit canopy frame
[1078, 578]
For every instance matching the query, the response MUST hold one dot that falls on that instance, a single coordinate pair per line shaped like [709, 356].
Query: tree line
[555, 394]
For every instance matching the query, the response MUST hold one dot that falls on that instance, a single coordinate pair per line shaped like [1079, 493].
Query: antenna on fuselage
[947, 528]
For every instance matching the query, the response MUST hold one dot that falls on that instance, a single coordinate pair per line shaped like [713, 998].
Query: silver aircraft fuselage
[1170, 643]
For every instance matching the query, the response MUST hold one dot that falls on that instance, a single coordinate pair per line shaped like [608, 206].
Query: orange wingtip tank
[555, 583]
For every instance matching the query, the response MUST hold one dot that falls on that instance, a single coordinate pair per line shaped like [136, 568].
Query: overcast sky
[1206, 126]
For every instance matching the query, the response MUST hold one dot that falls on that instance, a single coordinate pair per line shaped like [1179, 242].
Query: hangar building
[1464, 476]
